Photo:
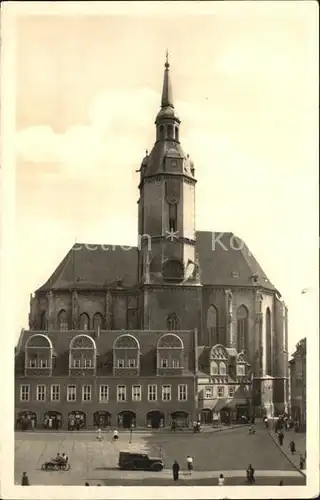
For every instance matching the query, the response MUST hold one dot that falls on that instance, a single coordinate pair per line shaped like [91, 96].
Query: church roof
[226, 262]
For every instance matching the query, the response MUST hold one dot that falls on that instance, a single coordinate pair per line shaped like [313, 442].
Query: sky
[245, 87]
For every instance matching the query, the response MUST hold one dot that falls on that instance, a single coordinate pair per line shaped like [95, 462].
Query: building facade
[202, 285]
[298, 380]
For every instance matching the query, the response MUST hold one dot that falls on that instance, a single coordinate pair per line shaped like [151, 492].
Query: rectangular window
[221, 391]
[38, 363]
[182, 392]
[175, 363]
[120, 363]
[231, 391]
[55, 392]
[88, 363]
[173, 216]
[76, 363]
[71, 393]
[164, 363]
[104, 393]
[86, 392]
[132, 363]
[24, 392]
[152, 392]
[41, 392]
[241, 370]
[208, 393]
[121, 393]
[166, 393]
[136, 393]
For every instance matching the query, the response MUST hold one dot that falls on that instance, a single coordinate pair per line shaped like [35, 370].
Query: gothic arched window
[173, 322]
[84, 321]
[213, 325]
[242, 328]
[44, 323]
[63, 321]
[176, 133]
[268, 342]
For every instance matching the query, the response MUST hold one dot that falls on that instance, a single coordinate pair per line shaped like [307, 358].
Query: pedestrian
[266, 422]
[25, 479]
[292, 446]
[302, 461]
[281, 483]
[189, 464]
[280, 437]
[221, 480]
[173, 426]
[86, 484]
[98, 484]
[250, 474]
[175, 470]
[99, 437]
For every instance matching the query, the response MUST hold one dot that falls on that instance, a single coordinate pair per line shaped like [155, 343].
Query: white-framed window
[136, 393]
[175, 363]
[104, 393]
[152, 392]
[71, 393]
[132, 363]
[41, 392]
[38, 363]
[241, 370]
[166, 393]
[231, 391]
[76, 363]
[120, 363]
[208, 392]
[214, 368]
[24, 392]
[222, 368]
[164, 363]
[55, 392]
[220, 391]
[86, 392]
[88, 363]
[182, 392]
[121, 393]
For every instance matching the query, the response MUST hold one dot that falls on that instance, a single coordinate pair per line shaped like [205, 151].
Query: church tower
[167, 257]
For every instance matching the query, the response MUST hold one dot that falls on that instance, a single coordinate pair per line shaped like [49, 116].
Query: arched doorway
[77, 420]
[180, 418]
[126, 419]
[155, 419]
[26, 420]
[52, 420]
[102, 419]
[206, 416]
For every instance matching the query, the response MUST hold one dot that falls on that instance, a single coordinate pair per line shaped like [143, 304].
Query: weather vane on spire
[167, 59]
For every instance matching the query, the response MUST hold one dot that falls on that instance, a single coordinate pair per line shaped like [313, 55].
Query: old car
[139, 461]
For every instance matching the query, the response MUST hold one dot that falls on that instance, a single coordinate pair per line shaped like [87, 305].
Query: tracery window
[242, 328]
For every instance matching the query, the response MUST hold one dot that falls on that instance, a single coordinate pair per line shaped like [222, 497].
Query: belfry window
[170, 132]
[173, 211]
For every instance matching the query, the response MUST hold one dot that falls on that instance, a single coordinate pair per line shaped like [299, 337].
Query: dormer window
[169, 354]
[126, 355]
[63, 321]
[38, 355]
[219, 362]
[82, 356]
[84, 322]
[241, 370]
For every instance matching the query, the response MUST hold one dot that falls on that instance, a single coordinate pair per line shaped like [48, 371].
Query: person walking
[175, 470]
[302, 462]
[86, 484]
[292, 446]
[280, 437]
[221, 480]
[250, 474]
[99, 436]
[25, 479]
[189, 464]
[281, 483]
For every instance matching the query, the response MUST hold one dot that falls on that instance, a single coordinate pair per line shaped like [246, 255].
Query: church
[184, 326]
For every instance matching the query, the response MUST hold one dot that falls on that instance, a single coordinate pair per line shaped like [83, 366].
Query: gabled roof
[227, 261]
[224, 261]
[87, 265]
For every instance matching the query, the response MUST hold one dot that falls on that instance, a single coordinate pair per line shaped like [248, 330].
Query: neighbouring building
[298, 380]
[185, 325]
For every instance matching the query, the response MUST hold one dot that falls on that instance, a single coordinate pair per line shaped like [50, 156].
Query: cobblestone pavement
[229, 450]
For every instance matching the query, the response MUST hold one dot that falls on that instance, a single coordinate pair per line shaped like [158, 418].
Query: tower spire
[167, 98]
